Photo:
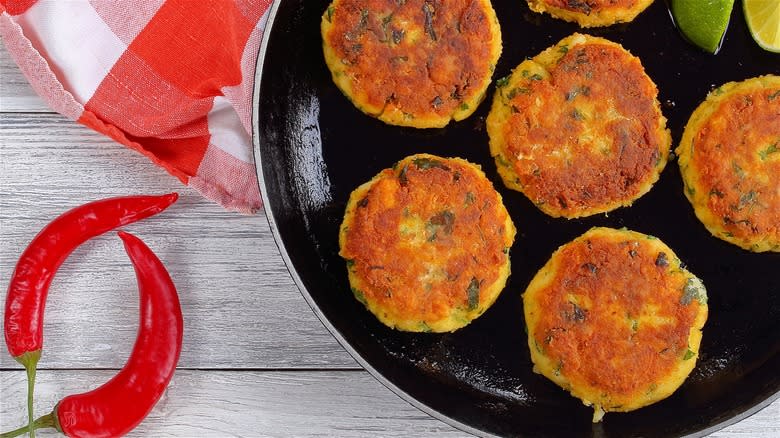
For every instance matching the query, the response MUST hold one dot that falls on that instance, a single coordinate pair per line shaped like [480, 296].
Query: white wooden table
[255, 360]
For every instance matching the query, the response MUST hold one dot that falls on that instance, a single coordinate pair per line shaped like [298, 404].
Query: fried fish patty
[591, 13]
[615, 319]
[427, 244]
[578, 129]
[412, 63]
[730, 163]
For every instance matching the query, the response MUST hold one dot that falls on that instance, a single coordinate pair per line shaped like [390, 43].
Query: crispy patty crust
[578, 129]
[591, 13]
[615, 319]
[730, 163]
[412, 63]
[427, 244]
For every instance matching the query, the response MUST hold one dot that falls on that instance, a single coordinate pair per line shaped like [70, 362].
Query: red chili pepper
[117, 406]
[38, 263]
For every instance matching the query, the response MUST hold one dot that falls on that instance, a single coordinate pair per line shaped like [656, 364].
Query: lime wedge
[703, 22]
[763, 20]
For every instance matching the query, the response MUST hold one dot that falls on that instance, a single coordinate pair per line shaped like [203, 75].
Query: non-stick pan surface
[313, 148]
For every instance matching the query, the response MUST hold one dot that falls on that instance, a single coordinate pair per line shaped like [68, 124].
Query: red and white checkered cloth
[171, 79]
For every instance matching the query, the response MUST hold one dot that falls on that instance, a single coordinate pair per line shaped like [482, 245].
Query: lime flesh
[763, 20]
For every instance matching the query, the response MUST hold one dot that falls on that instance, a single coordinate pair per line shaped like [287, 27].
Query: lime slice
[763, 20]
[703, 22]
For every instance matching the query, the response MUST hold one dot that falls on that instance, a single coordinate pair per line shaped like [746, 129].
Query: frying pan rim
[288, 262]
[257, 155]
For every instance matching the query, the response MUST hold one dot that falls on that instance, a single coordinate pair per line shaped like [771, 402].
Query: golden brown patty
[615, 319]
[578, 128]
[730, 163]
[591, 13]
[427, 244]
[412, 63]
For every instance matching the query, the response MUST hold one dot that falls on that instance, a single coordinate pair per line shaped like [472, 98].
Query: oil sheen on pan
[314, 147]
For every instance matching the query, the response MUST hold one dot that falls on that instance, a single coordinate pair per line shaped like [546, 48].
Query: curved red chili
[26, 298]
[37, 265]
[117, 406]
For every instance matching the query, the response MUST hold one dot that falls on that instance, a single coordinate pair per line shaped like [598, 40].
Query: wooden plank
[16, 95]
[763, 424]
[230, 403]
[240, 305]
[250, 403]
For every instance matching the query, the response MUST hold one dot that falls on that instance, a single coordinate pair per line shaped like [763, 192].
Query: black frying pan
[313, 148]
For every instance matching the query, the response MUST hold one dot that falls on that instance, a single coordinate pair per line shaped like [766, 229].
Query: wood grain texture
[253, 404]
[16, 95]
[240, 305]
[247, 327]
[244, 403]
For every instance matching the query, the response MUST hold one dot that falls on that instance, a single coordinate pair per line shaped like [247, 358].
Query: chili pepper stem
[30, 362]
[15, 432]
[46, 421]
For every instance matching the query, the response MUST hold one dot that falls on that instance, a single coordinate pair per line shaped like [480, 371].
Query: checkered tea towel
[171, 79]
